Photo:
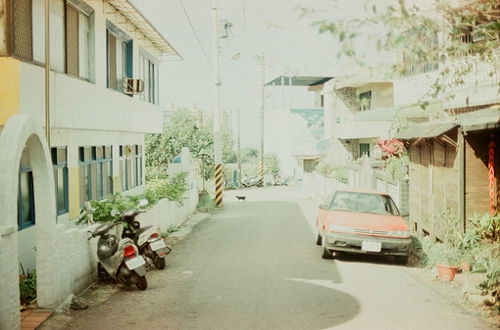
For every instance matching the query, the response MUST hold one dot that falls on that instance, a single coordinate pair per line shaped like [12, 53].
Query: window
[60, 165]
[131, 166]
[148, 72]
[364, 149]
[70, 35]
[95, 173]
[78, 38]
[365, 101]
[416, 61]
[26, 199]
[119, 57]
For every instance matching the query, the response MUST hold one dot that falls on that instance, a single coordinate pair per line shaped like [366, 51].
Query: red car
[362, 221]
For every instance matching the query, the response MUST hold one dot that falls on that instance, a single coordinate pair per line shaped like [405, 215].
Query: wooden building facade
[455, 164]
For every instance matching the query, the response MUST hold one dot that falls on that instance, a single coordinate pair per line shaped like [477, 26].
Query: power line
[196, 35]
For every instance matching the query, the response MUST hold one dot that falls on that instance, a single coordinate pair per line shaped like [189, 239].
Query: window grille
[23, 48]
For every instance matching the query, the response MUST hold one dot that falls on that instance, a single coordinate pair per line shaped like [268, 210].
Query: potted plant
[448, 258]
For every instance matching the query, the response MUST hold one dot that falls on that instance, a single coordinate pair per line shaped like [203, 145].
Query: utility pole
[262, 96]
[216, 107]
[239, 150]
[47, 71]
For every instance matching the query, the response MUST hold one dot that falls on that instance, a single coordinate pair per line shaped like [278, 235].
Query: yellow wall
[74, 192]
[10, 91]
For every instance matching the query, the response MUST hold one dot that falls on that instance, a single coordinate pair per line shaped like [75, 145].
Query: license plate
[156, 245]
[135, 262]
[371, 246]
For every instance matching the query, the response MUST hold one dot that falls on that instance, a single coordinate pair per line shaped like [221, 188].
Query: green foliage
[341, 174]
[249, 155]
[479, 245]
[173, 189]
[206, 202]
[325, 168]
[397, 167]
[101, 211]
[412, 32]
[272, 164]
[171, 229]
[27, 287]
[186, 129]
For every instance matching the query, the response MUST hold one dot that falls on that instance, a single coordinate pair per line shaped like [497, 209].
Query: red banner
[491, 173]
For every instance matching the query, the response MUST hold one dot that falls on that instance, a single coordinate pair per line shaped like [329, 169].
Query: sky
[275, 28]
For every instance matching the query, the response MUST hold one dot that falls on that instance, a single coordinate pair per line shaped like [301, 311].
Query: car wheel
[318, 239]
[325, 254]
[402, 260]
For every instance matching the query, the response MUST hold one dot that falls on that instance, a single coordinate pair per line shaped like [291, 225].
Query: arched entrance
[21, 131]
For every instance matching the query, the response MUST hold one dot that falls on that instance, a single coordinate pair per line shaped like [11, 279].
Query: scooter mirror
[114, 212]
[143, 202]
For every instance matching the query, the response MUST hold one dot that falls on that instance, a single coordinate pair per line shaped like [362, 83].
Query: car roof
[362, 190]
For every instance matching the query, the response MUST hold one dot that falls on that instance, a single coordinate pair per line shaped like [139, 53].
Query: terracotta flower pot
[465, 266]
[446, 273]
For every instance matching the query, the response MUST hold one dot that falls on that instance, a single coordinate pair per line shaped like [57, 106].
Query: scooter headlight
[103, 247]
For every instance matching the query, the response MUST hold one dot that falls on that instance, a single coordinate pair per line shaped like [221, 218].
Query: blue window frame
[26, 198]
[131, 166]
[96, 173]
[60, 165]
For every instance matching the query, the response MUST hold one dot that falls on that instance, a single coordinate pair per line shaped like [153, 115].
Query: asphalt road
[255, 265]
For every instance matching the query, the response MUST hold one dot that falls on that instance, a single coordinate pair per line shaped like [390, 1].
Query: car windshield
[363, 202]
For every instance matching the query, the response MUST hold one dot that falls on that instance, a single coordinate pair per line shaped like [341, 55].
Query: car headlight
[399, 233]
[343, 229]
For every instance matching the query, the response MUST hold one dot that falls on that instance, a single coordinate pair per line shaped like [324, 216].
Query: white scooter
[148, 238]
[119, 259]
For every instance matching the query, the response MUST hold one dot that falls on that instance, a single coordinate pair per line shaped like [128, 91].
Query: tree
[186, 130]
[272, 164]
[431, 34]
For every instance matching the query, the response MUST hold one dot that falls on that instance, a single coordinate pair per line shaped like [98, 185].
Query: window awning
[136, 18]
[298, 81]
[472, 121]
[425, 131]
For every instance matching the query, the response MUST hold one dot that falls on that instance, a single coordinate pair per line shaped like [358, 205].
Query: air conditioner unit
[134, 86]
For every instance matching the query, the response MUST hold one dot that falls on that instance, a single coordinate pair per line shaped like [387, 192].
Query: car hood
[367, 221]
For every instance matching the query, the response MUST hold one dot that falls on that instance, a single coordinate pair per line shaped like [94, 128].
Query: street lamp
[216, 109]
[217, 133]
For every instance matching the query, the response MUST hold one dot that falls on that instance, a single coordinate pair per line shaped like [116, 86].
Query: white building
[102, 97]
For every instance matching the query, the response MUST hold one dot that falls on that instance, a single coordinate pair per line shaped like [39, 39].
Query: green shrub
[27, 287]
[101, 211]
[205, 203]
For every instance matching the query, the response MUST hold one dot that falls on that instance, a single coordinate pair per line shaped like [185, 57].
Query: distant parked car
[362, 221]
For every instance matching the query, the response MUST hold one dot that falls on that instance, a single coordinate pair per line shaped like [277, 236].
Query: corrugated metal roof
[473, 121]
[298, 80]
[480, 120]
[136, 18]
[425, 131]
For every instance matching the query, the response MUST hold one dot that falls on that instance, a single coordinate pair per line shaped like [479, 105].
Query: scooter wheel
[102, 274]
[142, 283]
[159, 262]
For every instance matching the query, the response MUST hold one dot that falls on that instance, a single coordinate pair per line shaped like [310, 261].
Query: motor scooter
[148, 238]
[120, 259]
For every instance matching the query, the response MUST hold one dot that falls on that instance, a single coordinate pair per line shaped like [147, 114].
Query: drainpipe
[461, 178]
[47, 71]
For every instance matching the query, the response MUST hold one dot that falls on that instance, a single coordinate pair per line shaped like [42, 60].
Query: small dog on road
[241, 198]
